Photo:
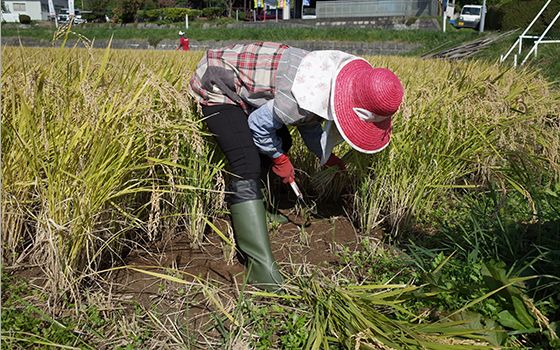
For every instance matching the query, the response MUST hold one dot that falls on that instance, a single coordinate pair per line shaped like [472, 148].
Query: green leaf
[522, 313]
[508, 320]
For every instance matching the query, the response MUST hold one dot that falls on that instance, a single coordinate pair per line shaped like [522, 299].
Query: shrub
[95, 16]
[212, 12]
[24, 19]
[494, 18]
[175, 14]
[153, 15]
[519, 14]
[194, 13]
[154, 41]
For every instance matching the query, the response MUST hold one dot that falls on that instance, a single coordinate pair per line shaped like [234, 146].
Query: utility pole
[482, 17]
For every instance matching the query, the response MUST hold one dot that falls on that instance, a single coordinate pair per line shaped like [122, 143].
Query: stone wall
[398, 23]
[355, 48]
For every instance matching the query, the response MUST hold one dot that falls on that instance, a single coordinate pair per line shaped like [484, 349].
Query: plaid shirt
[244, 75]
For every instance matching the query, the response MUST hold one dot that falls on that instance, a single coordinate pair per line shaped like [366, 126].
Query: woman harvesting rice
[251, 93]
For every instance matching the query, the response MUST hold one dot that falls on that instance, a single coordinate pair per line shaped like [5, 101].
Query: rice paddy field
[115, 233]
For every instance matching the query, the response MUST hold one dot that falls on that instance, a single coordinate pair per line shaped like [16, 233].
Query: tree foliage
[461, 3]
[162, 4]
[126, 10]
[168, 14]
[212, 12]
[175, 14]
[520, 14]
[97, 7]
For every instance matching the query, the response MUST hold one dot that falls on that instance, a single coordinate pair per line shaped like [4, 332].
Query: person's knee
[244, 190]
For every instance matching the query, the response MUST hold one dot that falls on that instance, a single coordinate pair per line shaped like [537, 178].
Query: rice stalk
[365, 315]
[330, 182]
[78, 129]
[459, 122]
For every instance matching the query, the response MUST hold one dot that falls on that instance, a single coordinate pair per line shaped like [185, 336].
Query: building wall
[38, 10]
[30, 8]
[377, 8]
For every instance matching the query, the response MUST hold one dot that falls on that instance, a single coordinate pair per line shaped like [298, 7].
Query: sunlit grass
[279, 34]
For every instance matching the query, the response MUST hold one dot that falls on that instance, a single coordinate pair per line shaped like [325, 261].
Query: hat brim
[363, 136]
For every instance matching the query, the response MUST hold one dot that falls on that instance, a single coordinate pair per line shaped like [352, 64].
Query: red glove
[283, 168]
[334, 160]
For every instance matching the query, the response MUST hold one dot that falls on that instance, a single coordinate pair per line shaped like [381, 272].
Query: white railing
[519, 42]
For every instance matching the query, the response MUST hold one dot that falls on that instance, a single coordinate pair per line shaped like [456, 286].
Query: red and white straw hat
[363, 99]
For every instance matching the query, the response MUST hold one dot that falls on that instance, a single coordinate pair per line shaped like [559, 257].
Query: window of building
[19, 6]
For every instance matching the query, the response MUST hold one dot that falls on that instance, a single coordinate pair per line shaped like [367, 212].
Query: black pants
[228, 124]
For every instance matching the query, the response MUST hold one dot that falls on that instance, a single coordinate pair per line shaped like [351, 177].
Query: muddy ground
[309, 242]
[311, 238]
[300, 246]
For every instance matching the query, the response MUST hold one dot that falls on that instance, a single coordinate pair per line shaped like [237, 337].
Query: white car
[308, 13]
[64, 16]
[469, 17]
[10, 17]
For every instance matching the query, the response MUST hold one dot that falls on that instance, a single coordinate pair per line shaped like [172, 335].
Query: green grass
[546, 61]
[266, 33]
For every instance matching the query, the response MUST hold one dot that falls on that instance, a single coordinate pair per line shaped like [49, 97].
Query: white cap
[181, 33]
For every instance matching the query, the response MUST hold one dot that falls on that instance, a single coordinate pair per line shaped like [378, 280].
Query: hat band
[368, 116]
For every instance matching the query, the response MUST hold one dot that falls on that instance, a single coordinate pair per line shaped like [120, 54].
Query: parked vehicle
[308, 13]
[64, 16]
[10, 17]
[271, 14]
[470, 17]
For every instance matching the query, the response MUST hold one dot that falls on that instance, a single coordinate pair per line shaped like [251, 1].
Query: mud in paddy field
[300, 246]
[309, 240]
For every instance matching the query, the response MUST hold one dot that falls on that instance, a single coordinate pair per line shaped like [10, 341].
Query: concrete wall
[355, 48]
[397, 23]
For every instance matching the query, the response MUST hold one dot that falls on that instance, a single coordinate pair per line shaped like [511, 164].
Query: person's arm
[311, 135]
[263, 126]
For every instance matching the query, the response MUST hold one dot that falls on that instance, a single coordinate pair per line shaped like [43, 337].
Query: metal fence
[377, 8]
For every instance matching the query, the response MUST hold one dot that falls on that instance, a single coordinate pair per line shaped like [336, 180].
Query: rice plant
[93, 142]
[104, 149]
[458, 122]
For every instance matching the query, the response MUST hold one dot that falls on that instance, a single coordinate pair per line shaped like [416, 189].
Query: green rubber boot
[251, 236]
